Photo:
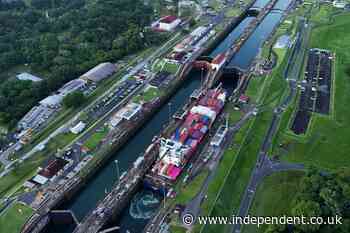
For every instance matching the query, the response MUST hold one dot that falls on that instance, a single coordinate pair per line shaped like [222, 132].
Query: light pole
[117, 166]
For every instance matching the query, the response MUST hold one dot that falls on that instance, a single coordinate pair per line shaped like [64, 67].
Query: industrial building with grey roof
[100, 72]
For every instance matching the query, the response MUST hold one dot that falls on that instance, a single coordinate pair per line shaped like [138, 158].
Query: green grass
[226, 165]
[215, 4]
[238, 177]
[255, 87]
[232, 12]
[267, 91]
[14, 180]
[171, 67]
[274, 197]
[177, 229]
[162, 65]
[96, 138]
[326, 143]
[12, 220]
[186, 193]
[60, 141]
[150, 94]
[322, 14]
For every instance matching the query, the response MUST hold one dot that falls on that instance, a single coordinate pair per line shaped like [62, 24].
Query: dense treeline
[321, 195]
[64, 38]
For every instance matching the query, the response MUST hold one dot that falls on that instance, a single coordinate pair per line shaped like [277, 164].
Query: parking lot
[161, 80]
[315, 89]
[114, 98]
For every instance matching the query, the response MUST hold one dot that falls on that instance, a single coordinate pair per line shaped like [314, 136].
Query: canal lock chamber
[143, 205]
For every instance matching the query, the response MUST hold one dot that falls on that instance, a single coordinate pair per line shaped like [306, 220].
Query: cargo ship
[181, 144]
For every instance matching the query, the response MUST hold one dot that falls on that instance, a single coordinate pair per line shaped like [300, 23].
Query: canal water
[144, 203]
[229, 40]
[103, 181]
[260, 3]
[245, 56]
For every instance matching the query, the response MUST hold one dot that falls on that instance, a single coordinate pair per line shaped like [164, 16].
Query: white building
[199, 31]
[26, 76]
[339, 4]
[129, 111]
[169, 23]
[78, 128]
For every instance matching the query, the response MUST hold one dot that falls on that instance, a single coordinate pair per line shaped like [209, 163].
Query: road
[67, 124]
[264, 166]
[193, 206]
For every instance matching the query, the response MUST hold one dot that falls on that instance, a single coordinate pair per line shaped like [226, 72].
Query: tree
[277, 228]
[74, 100]
[323, 195]
[307, 209]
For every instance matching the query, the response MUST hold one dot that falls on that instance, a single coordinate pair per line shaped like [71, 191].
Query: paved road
[264, 166]
[67, 124]
[193, 206]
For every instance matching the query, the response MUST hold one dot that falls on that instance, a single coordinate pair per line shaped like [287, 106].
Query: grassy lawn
[232, 12]
[254, 87]
[96, 138]
[186, 193]
[215, 4]
[267, 92]
[12, 220]
[326, 143]
[226, 164]
[14, 180]
[162, 65]
[177, 229]
[230, 194]
[274, 197]
[60, 141]
[147, 96]
[171, 67]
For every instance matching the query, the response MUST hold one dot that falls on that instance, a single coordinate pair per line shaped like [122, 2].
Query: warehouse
[99, 72]
[74, 85]
[35, 117]
[52, 167]
[52, 101]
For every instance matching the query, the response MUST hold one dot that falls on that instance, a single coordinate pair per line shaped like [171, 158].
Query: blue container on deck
[177, 134]
[205, 119]
[188, 142]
